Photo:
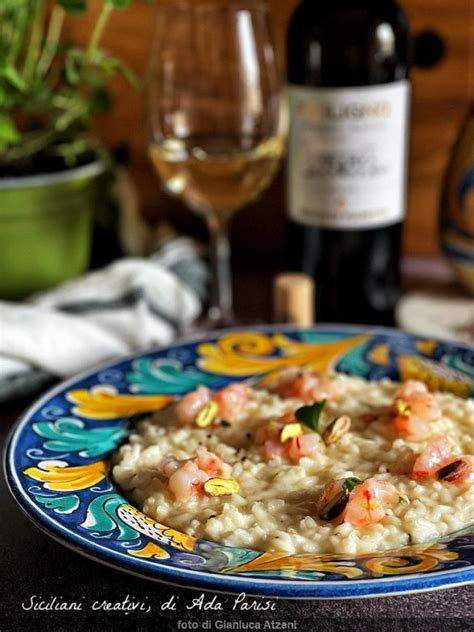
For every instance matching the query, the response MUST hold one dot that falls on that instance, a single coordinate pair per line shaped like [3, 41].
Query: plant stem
[31, 143]
[52, 40]
[98, 30]
[35, 41]
[19, 35]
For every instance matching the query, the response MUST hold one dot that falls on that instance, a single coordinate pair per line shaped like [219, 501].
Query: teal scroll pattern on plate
[165, 376]
[353, 362]
[71, 435]
[102, 517]
[459, 362]
[59, 504]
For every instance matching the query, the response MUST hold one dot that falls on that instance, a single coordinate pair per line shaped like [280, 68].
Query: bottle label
[348, 155]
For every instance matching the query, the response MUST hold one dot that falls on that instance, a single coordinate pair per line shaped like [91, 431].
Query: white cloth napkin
[131, 305]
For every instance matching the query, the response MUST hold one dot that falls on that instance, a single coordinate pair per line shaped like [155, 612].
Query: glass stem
[221, 305]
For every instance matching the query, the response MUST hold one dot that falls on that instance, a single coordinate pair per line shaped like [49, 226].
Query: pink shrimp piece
[309, 386]
[369, 501]
[271, 430]
[189, 407]
[414, 409]
[187, 481]
[285, 379]
[272, 450]
[168, 466]
[425, 407]
[267, 437]
[287, 418]
[187, 477]
[432, 456]
[271, 447]
[230, 399]
[212, 464]
[329, 492]
[265, 433]
[412, 388]
[304, 445]
[408, 425]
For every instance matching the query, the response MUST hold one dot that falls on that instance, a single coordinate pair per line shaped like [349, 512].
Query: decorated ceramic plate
[58, 462]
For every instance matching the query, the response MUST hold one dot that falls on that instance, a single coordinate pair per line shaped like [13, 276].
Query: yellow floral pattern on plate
[250, 353]
[59, 476]
[106, 403]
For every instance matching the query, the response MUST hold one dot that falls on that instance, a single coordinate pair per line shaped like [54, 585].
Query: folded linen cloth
[131, 305]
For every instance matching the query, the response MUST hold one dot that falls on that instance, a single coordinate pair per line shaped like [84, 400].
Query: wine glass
[215, 119]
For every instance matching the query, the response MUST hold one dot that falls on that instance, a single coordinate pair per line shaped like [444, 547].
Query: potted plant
[51, 168]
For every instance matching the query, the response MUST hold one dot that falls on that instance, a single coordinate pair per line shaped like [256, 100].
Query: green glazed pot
[46, 228]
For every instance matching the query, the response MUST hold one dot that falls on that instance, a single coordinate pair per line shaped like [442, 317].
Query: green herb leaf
[10, 74]
[75, 7]
[310, 415]
[403, 500]
[351, 483]
[119, 4]
[101, 100]
[8, 131]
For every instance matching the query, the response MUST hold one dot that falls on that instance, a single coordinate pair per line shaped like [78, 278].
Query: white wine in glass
[215, 118]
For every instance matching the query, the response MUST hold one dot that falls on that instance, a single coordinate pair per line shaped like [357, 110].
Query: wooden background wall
[440, 100]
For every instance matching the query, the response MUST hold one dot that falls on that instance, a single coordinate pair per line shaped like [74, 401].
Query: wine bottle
[348, 67]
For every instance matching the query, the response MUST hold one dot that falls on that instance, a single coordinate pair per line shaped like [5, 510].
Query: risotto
[249, 473]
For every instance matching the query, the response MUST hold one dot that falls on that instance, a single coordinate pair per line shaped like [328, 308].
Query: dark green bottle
[348, 68]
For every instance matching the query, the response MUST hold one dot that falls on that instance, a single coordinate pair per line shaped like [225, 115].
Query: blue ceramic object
[57, 462]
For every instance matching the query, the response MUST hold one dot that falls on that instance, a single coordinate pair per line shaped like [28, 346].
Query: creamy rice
[275, 507]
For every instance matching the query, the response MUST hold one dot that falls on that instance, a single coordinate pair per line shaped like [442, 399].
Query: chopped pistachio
[290, 431]
[337, 429]
[221, 487]
[207, 415]
[402, 407]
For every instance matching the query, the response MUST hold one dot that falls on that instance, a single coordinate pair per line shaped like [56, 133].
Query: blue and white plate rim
[211, 581]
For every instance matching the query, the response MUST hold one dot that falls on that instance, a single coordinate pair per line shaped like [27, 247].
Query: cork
[293, 299]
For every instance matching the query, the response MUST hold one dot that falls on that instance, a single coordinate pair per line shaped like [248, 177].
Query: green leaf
[101, 100]
[8, 131]
[351, 483]
[310, 415]
[74, 7]
[129, 74]
[10, 74]
[119, 4]
[7, 100]
[71, 67]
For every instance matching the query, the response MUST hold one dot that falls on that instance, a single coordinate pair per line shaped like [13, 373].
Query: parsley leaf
[351, 483]
[310, 415]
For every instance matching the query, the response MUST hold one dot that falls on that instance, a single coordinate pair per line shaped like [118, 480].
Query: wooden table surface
[34, 567]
